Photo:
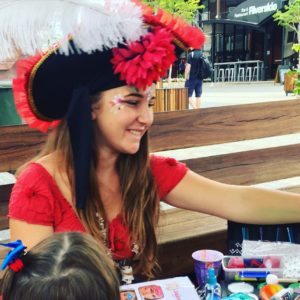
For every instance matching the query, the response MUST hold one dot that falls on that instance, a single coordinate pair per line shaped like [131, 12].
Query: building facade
[245, 30]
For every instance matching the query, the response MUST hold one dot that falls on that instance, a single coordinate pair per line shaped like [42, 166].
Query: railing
[238, 70]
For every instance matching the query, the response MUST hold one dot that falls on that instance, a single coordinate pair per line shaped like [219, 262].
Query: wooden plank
[292, 189]
[250, 167]
[175, 258]
[197, 127]
[181, 232]
[18, 144]
[192, 224]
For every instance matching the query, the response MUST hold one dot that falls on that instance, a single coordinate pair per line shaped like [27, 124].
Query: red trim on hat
[23, 94]
[187, 34]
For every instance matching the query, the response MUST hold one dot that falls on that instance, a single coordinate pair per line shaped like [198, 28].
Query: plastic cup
[205, 259]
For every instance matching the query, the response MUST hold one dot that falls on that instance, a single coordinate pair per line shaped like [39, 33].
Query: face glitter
[116, 103]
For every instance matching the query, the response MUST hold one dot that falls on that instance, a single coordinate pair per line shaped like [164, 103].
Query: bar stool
[255, 73]
[241, 74]
[248, 73]
[221, 74]
[229, 74]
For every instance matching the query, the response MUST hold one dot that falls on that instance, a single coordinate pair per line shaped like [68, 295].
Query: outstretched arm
[244, 204]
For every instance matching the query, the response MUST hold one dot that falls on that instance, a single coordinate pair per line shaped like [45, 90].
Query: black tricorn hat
[53, 86]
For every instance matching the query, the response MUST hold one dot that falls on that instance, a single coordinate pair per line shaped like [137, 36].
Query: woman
[95, 174]
[67, 265]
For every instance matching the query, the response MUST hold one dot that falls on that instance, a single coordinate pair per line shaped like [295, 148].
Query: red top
[36, 199]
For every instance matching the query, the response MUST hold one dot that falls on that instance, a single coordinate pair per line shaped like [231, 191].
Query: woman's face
[122, 117]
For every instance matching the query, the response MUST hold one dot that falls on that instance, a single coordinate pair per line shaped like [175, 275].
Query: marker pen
[253, 274]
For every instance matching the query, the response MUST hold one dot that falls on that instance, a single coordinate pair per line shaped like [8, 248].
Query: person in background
[95, 173]
[192, 75]
[65, 266]
[181, 68]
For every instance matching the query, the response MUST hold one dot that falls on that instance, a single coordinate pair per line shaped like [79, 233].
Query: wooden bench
[182, 232]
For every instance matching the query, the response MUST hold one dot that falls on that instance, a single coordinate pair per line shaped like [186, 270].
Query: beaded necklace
[124, 265]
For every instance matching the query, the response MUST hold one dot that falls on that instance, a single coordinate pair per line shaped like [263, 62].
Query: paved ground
[219, 94]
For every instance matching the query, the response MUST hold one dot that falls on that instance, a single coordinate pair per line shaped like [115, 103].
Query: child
[65, 266]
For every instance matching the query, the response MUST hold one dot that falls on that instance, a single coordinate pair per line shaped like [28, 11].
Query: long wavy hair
[65, 266]
[139, 193]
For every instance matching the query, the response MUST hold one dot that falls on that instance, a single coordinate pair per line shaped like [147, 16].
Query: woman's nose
[145, 115]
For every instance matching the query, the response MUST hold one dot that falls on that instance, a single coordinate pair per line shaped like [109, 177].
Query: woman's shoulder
[33, 174]
[162, 163]
[167, 173]
[36, 198]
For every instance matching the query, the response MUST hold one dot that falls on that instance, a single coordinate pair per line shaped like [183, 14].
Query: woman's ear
[95, 108]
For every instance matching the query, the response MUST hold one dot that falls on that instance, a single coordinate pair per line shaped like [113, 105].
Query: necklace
[123, 265]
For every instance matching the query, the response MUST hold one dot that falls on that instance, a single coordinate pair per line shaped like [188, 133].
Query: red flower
[119, 239]
[143, 62]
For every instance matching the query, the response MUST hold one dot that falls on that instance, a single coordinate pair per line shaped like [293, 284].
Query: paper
[177, 288]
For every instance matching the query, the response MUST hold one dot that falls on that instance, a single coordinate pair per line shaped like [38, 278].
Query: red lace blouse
[36, 199]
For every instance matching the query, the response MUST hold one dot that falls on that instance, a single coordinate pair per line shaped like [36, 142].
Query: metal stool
[248, 73]
[221, 74]
[255, 73]
[241, 74]
[229, 74]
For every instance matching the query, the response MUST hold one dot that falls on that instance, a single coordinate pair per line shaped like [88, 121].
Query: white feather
[28, 26]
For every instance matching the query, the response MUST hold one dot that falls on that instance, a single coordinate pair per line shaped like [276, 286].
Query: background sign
[255, 11]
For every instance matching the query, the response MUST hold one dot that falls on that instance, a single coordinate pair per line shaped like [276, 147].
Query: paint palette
[242, 268]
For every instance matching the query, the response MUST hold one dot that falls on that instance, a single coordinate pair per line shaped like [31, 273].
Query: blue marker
[253, 274]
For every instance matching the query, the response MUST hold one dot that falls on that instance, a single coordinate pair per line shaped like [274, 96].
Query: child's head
[68, 265]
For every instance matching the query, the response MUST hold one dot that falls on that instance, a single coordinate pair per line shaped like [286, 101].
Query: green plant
[290, 18]
[187, 9]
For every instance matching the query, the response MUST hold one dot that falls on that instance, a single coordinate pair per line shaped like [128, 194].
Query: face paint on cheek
[116, 104]
[149, 92]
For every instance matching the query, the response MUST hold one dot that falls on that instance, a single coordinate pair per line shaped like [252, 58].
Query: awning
[255, 11]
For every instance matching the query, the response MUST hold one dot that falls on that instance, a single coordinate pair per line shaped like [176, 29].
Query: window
[291, 37]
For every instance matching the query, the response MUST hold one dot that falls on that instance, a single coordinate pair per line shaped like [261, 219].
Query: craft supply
[296, 288]
[259, 262]
[241, 296]
[284, 294]
[238, 278]
[212, 287]
[236, 262]
[205, 259]
[240, 287]
[269, 290]
[273, 279]
[253, 274]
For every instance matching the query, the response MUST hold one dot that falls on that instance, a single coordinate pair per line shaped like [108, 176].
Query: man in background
[193, 77]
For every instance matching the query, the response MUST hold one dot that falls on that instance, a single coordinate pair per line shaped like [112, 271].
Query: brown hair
[65, 266]
[139, 194]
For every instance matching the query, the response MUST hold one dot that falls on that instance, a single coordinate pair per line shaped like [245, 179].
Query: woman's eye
[131, 102]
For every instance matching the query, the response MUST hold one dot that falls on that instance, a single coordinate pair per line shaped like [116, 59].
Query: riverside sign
[255, 11]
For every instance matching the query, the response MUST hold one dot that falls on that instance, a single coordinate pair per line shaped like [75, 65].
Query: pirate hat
[123, 43]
